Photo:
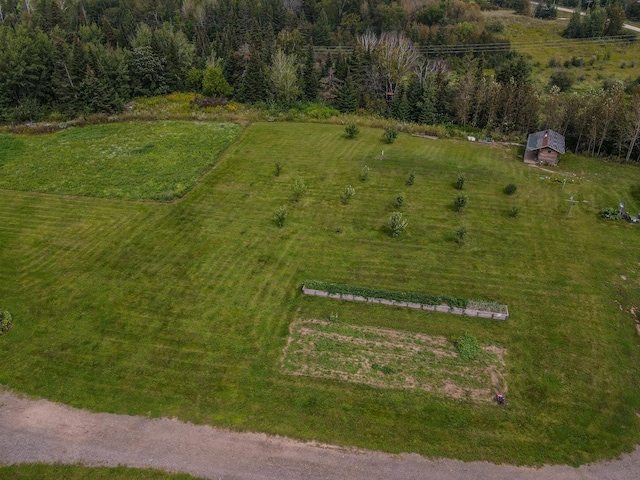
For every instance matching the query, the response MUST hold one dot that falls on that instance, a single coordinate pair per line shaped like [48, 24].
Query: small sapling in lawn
[348, 194]
[396, 224]
[280, 215]
[352, 130]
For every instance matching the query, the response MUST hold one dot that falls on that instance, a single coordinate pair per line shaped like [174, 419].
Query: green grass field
[148, 160]
[542, 40]
[183, 309]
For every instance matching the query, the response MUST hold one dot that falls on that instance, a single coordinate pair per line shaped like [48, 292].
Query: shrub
[461, 233]
[460, 202]
[390, 133]
[411, 179]
[5, 321]
[422, 298]
[460, 182]
[510, 189]
[280, 215]
[610, 214]
[399, 201]
[352, 130]
[348, 193]
[278, 169]
[364, 173]
[562, 79]
[299, 187]
[514, 211]
[467, 347]
[396, 224]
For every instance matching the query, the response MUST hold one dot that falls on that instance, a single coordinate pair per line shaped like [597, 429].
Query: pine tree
[347, 101]
[310, 77]
[427, 104]
[321, 30]
[253, 87]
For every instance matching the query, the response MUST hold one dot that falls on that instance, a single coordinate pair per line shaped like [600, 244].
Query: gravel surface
[45, 432]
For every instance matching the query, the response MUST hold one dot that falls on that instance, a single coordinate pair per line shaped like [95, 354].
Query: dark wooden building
[543, 148]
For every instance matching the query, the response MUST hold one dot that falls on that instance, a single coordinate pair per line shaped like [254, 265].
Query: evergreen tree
[403, 109]
[347, 101]
[310, 77]
[253, 87]
[427, 105]
[322, 30]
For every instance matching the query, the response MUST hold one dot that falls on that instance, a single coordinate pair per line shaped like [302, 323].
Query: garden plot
[386, 358]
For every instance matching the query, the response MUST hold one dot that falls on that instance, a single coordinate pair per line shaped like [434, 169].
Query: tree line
[60, 59]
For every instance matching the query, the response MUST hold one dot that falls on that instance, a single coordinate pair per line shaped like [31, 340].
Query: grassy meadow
[183, 309]
[542, 40]
[149, 161]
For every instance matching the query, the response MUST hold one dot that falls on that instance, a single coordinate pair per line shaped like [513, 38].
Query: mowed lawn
[183, 309]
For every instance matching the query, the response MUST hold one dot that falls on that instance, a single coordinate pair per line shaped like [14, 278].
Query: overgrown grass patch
[387, 358]
[131, 161]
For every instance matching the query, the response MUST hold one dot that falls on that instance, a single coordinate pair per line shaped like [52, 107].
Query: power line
[501, 46]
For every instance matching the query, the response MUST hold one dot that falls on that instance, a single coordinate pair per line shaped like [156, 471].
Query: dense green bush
[352, 130]
[467, 346]
[5, 321]
[280, 215]
[610, 214]
[390, 133]
[396, 224]
[399, 201]
[510, 189]
[422, 298]
[410, 179]
[299, 187]
[348, 194]
[364, 173]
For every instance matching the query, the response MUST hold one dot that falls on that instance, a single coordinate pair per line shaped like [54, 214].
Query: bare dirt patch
[387, 358]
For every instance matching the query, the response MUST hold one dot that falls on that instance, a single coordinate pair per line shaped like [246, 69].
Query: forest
[61, 59]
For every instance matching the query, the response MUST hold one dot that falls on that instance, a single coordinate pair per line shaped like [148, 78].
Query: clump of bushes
[5, 321]
[467, 347]
[396, 224]
[352, 130]
[510, 189]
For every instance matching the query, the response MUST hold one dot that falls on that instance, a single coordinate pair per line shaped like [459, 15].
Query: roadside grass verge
[184, 309]
[131, 161]
[39, 471]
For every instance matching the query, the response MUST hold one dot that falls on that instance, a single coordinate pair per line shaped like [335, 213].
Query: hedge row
[423, 298]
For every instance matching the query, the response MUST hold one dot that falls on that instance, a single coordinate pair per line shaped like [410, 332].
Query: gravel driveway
[46, 432]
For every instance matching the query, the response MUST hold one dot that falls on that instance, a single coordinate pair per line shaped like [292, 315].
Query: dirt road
[42, 431]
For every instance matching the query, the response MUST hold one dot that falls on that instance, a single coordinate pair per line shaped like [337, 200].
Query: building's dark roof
[546, 139]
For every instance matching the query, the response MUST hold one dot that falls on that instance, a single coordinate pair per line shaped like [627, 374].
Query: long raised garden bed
[419, 301]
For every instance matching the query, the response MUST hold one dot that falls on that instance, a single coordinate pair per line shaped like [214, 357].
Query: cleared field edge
[470, 312]
[389, 358]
